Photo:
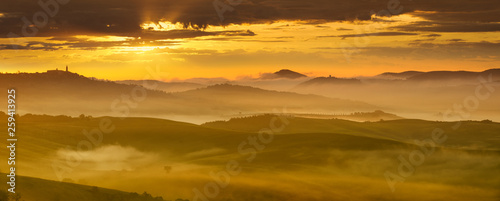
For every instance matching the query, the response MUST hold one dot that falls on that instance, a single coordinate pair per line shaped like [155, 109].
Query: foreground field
[291, 158]
[45, 190]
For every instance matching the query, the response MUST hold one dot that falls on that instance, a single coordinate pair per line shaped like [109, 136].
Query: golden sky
[363, 45]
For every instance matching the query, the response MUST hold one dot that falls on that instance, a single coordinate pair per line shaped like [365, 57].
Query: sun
[162, 26]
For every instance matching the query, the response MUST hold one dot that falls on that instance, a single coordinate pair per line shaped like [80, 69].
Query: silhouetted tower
[67, 68]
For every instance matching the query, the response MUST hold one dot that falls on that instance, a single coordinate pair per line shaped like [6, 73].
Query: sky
[121, 39]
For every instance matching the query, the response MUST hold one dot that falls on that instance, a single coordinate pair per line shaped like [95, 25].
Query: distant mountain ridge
[411, 77]
[402, 75]
[71, 94]
[440, 75]
[330, 81]
[163, 86]
[246, 95]
[284, 73]
[455, 75]
[377, 115]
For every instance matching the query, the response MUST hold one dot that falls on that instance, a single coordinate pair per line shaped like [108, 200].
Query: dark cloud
[148, 38]
[481, 15]
[377, 34]
[32, 45]
[178, 34]
[124, 17]
[241, 39]
[428, 50]
[419, 41]
[371, 34]
[322, 26]
[452, 50]
[450, 27]
[433, 35]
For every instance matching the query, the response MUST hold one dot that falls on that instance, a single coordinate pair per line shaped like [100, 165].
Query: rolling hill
[402, 75]
[250, 99]
[463, 77]
[322, 81]
[227, 99]
[422, 95]
[34, 189]
[60, 92]
[309, 160]
[71, 94]
[459, 77]
[377, 115]
[168, 87]
[284, 73]
[404, 130]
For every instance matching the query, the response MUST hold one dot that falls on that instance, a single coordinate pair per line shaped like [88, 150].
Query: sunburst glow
[162, 26]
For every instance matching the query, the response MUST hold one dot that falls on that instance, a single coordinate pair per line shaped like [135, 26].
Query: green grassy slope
[33, 189]
[310, 160]
[41, 136]
[468, 135]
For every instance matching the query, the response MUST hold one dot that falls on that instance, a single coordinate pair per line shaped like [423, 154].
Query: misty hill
[163, 86]
[402, 75]
[404, 130]
[377, 115]
[31, 189]
[59, 92]
[134, 156]
[458, 77]
[329, 81]
[284, 73]
[244, 97]
[420, 96]
[70, 85]
[356, 116]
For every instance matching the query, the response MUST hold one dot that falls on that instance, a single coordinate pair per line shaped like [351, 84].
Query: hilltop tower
[67, 68]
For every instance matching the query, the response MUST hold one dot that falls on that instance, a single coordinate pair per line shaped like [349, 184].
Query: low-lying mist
[333, 175]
